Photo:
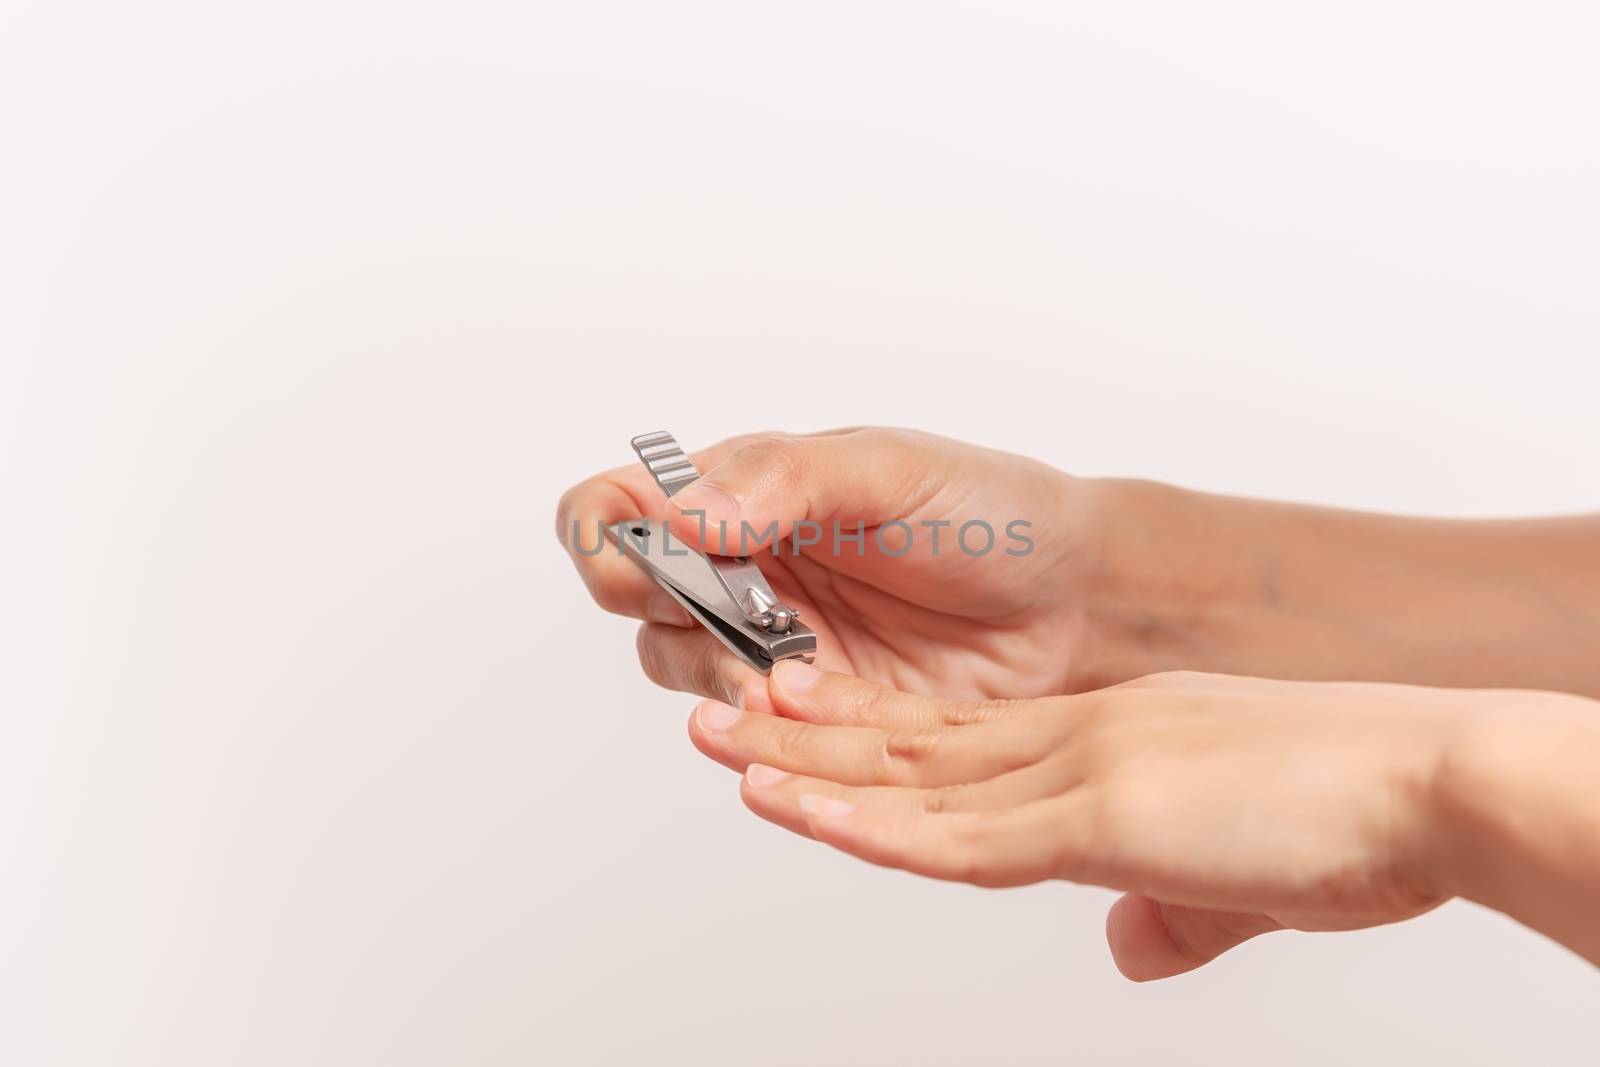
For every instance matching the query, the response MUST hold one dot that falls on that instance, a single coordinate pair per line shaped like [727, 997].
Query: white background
[312, 749]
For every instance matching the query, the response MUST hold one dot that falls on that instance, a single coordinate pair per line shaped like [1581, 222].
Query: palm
[970, 637]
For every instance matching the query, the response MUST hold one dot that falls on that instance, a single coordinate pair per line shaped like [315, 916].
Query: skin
[946, 623]
[1225, 807]
[1019, 728]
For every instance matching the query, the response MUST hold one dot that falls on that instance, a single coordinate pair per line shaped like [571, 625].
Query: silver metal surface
[691, 580]
[666, 461]
[728, 594]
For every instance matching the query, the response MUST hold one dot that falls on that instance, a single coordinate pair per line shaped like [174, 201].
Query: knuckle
[876, 704]
[1120, 811]
[733, 444]
[945, 798]
[786, 742]
[904, 754]
[777, 459]
[890, 439]
[968, 713]
[966, 855]
[956, 713]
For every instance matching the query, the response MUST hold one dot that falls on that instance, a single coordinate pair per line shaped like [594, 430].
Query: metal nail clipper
[728, 595]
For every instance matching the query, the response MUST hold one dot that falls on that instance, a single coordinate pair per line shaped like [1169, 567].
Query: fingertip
[766, 791]
[797, 690]
[802, 691]
[708, 727]
[795, 676]
[760, 776]
[715, 716]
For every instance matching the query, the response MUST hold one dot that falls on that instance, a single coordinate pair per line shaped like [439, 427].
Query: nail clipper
[728, 595]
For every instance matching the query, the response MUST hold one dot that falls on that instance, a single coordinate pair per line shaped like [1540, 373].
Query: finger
[896, 828]
[861, 755]
[772, 481]
[775, 795]
[614, 582]
[1151, 940]
[692, 661]
[800, 691]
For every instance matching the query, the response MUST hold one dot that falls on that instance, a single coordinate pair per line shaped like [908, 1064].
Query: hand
[931, 620]
[1226, 807]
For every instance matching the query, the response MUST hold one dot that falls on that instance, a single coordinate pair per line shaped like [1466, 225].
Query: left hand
[1226, 807]
[906, 612]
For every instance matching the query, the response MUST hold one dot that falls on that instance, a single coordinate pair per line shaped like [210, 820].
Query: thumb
[1150, 939]
[758, 492]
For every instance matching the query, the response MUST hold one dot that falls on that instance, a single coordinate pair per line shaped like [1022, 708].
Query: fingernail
[825, 807]
[795, 676]
[759, 774]
[717, 505]
[662, 608]
[714, 717]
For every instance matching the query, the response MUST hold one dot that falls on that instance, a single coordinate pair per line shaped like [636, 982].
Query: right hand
[1225, 807]
[941, 623]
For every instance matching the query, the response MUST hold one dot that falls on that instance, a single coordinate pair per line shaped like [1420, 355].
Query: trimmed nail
[714, 717]
[717, 505]
[759, 775]
[794, 676]
[825, 807]
[662, 608]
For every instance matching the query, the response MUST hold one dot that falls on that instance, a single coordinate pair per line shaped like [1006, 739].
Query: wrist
[1517, 813]
[1159, 591]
